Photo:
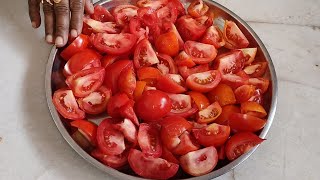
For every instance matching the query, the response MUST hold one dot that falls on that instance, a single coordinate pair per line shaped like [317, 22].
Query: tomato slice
[101, 14]
[110, 59]
[187, 144]
[115, 44]
[149, 140]
[110, 141]
[234, 80]
[136, 28]
[139, 90]
[82, 60]
[167, 43]
[190, 29]
[249, 54]
[183, 59]
[235, 39]
[200, 53]
[171, 83]
[204, 82]
[212, 135]
[223, 94]
[200, 162]
[199, 99]
[181, 105]
[241, 143]
[210, 113]
[123, 13]
[128, 129]
[126, 111]
[177, 5]
[198, 8]
[144, 54]
[166, 64]
[86, 81]
[231, 62]
[253, 109]
[244, 93]
[256, 70]
[245, 123]
[127, 81]
[167, 14]
[153, 4]
[226, 112]
[260, 83]
[115, 103]
[114, 161]
[149, 75]
[167, 155]
[150, 167]
[170, 27]
[79, 44]
[87, 129]
[186, 72]
[214, 36]
[222, 153]
[102, 27]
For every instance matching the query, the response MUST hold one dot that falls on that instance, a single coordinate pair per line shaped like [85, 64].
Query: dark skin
[61, 19]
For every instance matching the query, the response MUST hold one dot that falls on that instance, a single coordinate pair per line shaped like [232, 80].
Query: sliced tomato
[199, 99]
[128, 129]
[200, 162]
[257, 97]
[212, 135]
[150, 167]
[87, 129]
[226, 112]
[168, 14]
[190, 29]
[249, 54]
[235, 39]
[234, 80]
[149, 17]
[171, 83]
[87, 30]
[222, 153]
[256, 70]
[110, 59]
[136, 28]
[253, 109]
[126, 111]
[149, 75]
[149, 140]
[101, 14]
[114, 161]
[210, 113]
[167, 43]
[123, 13]
[204, 82]
[144, 54]
[183, 59]
[223, 94]
[153, 4]
[186, 72]
[177, 5]
[241, 143]
[199, 52]
[166, 64]
[244, 93]
[167, 155]
[115, 44]
[115, 103]
[187, 144]
[181, 105]
[127, 82]
[102, 27]
[139, 90]
[79, 44]
[214, 36]
[231, 62]
[110, 141]
[198, 8]
[170, 27]
[245, 123]
[260, 83]
[82, 60]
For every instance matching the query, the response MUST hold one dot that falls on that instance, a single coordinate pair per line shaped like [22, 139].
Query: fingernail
[34, 24]
[59, 41]
[49, 38]
[73, 33]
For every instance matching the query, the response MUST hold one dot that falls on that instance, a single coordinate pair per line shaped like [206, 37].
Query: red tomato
[200, 162]
[243, 122]
[241, 143]
[214, 36]
[128, 129]
[136, 27]
[144, 54]
[199, 99]
[250, 54]
[126, 111]
[223, 94]
[101, 14]
[149, 140]
[256, 70]
[177, 5]
[86, 81]
[181, 105]
[226, 112]
[115, 103]
[166, 64]
[244, 93]
[234, 80]
[110, 59]
[81, 140]
[127, 81]
[212, 135]
[153, 4]
[87, 30]
[260, 83]
[110, 141]
[102, 27]
[235, 39]
[149, 17]
[257, 97]
[87, 129]
[187, 144]
[231, 62]
[153, 105]
[190, 29]
[204, 82]
[115, 44]
[170, 27]
[197, 8]
[167, 155]
[114, 70]
[82, 60]
[199, 52]
[123, 13]
[222, 153]
[149, 74]
[168, 14]
[253, 109]
[171, 83]
[210, 113]
[186, 72]
[139, 90]
[167, 43]
[183, 59]
[96, 102]
[114, 161]
[79, 44]
[150, 167]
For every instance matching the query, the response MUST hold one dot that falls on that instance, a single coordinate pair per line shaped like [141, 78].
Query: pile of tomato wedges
[180, 91]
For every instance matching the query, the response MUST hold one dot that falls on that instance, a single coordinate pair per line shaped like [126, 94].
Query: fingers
[48, 21]
[88, 7]
[62, 13]
[34, 13]
[77, 8]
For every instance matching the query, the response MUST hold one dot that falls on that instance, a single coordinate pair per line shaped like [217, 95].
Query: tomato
[167, 43]
[87, 129]
[153, 4]
[186, 72]
[128, 129]
[183, 59]
[253, 109]
[167, 155]
[149, 140]
[234, 80]
[181, 105]
[223, 94]
[139, 89]
[256, 70]
[127, 81]
[199, 52]
[231, 62]
[150, 167]
[96, 102]
[171, 129]
[250, 54]
[166, 64]
[214, 36]
[187, 144]
[123, 13]
[171, 83]
[114, 70]
[101, 14]
[149, 75]
[115, 44]
[115, 103]
[102, 27]
[235, 39]
[86, 30]
[170, 27]
[260, 83]
[82, 60]
[79, 44]
[144, 54]
[126, 111]
[177, 5]
[199, 162]
[244, 93]
[243, 122]
[190, 29]
[168, 14]
[86, 81]
[110, 141]
[222, 153]
[110, 59]
[210, 113]
[204, 82]
[212, 135]
[241, 143]
[199, 99]
[153, 105]
[136, 27]
[114, 161]
[149, 17]
[226, 112]
[197, 8]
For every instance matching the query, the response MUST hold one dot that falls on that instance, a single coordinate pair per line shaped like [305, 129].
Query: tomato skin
[253, 109]
[170, 27]
[214, 36]
[190, 29]
[153, 105]
[87, 128]
[244, 93]
[235, 80]
[101, 14]
[222, 153]
[166, 64]
[197, 8]
[144, 54]
[204, 82]
[200, 100]
[209, 114]
[256, 70]
[183, 59]
[123, 13]
[167, 43]
[260, 83]
[235, 39]
[241, 143]
[149, 140]
[149, 167]
[245, 123]
[79, 44]
[250, 54]
[147, 73]
[186, 72]
[171, 83]
[115, 103]
[114, 161]
[199, 52]
[227, 110]
[139, 90]
[223, 94]
[187, 144]
[212, 135]
[127, 81]
[231, 62]
[181, 106]
[167, 155]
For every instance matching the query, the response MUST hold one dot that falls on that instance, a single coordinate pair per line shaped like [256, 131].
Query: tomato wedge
[223, 94]
[204, 82]
[181, 105]
[253, 109]
[227, 110]
[170, 27]
[79, 44]
[214, 36]
[210, 113]
[243, 122]
[144, 54]
[199, 99]
[168, 14]
[183, 59]
[166, 64]
[171, 83]
[126, 111]
[244, 93]
[139, 90]
[123, 13]
[199, 52]
[101, 14]
[114, 161]
[231, 62]
[115, 103]
[212, 135]
[235, 39]
[186, 72]
[234, 80]
[127, 81]
[136, 28]
[149, 140]
[260, 83]
[167, 155]
[167, 43]
[128, 129]
[256, 70]
[153, 4]
[102, 27]
[149, 75]
[250, 54]
[198, 8]
[187, 144]
[87, 129]
[190, 29]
